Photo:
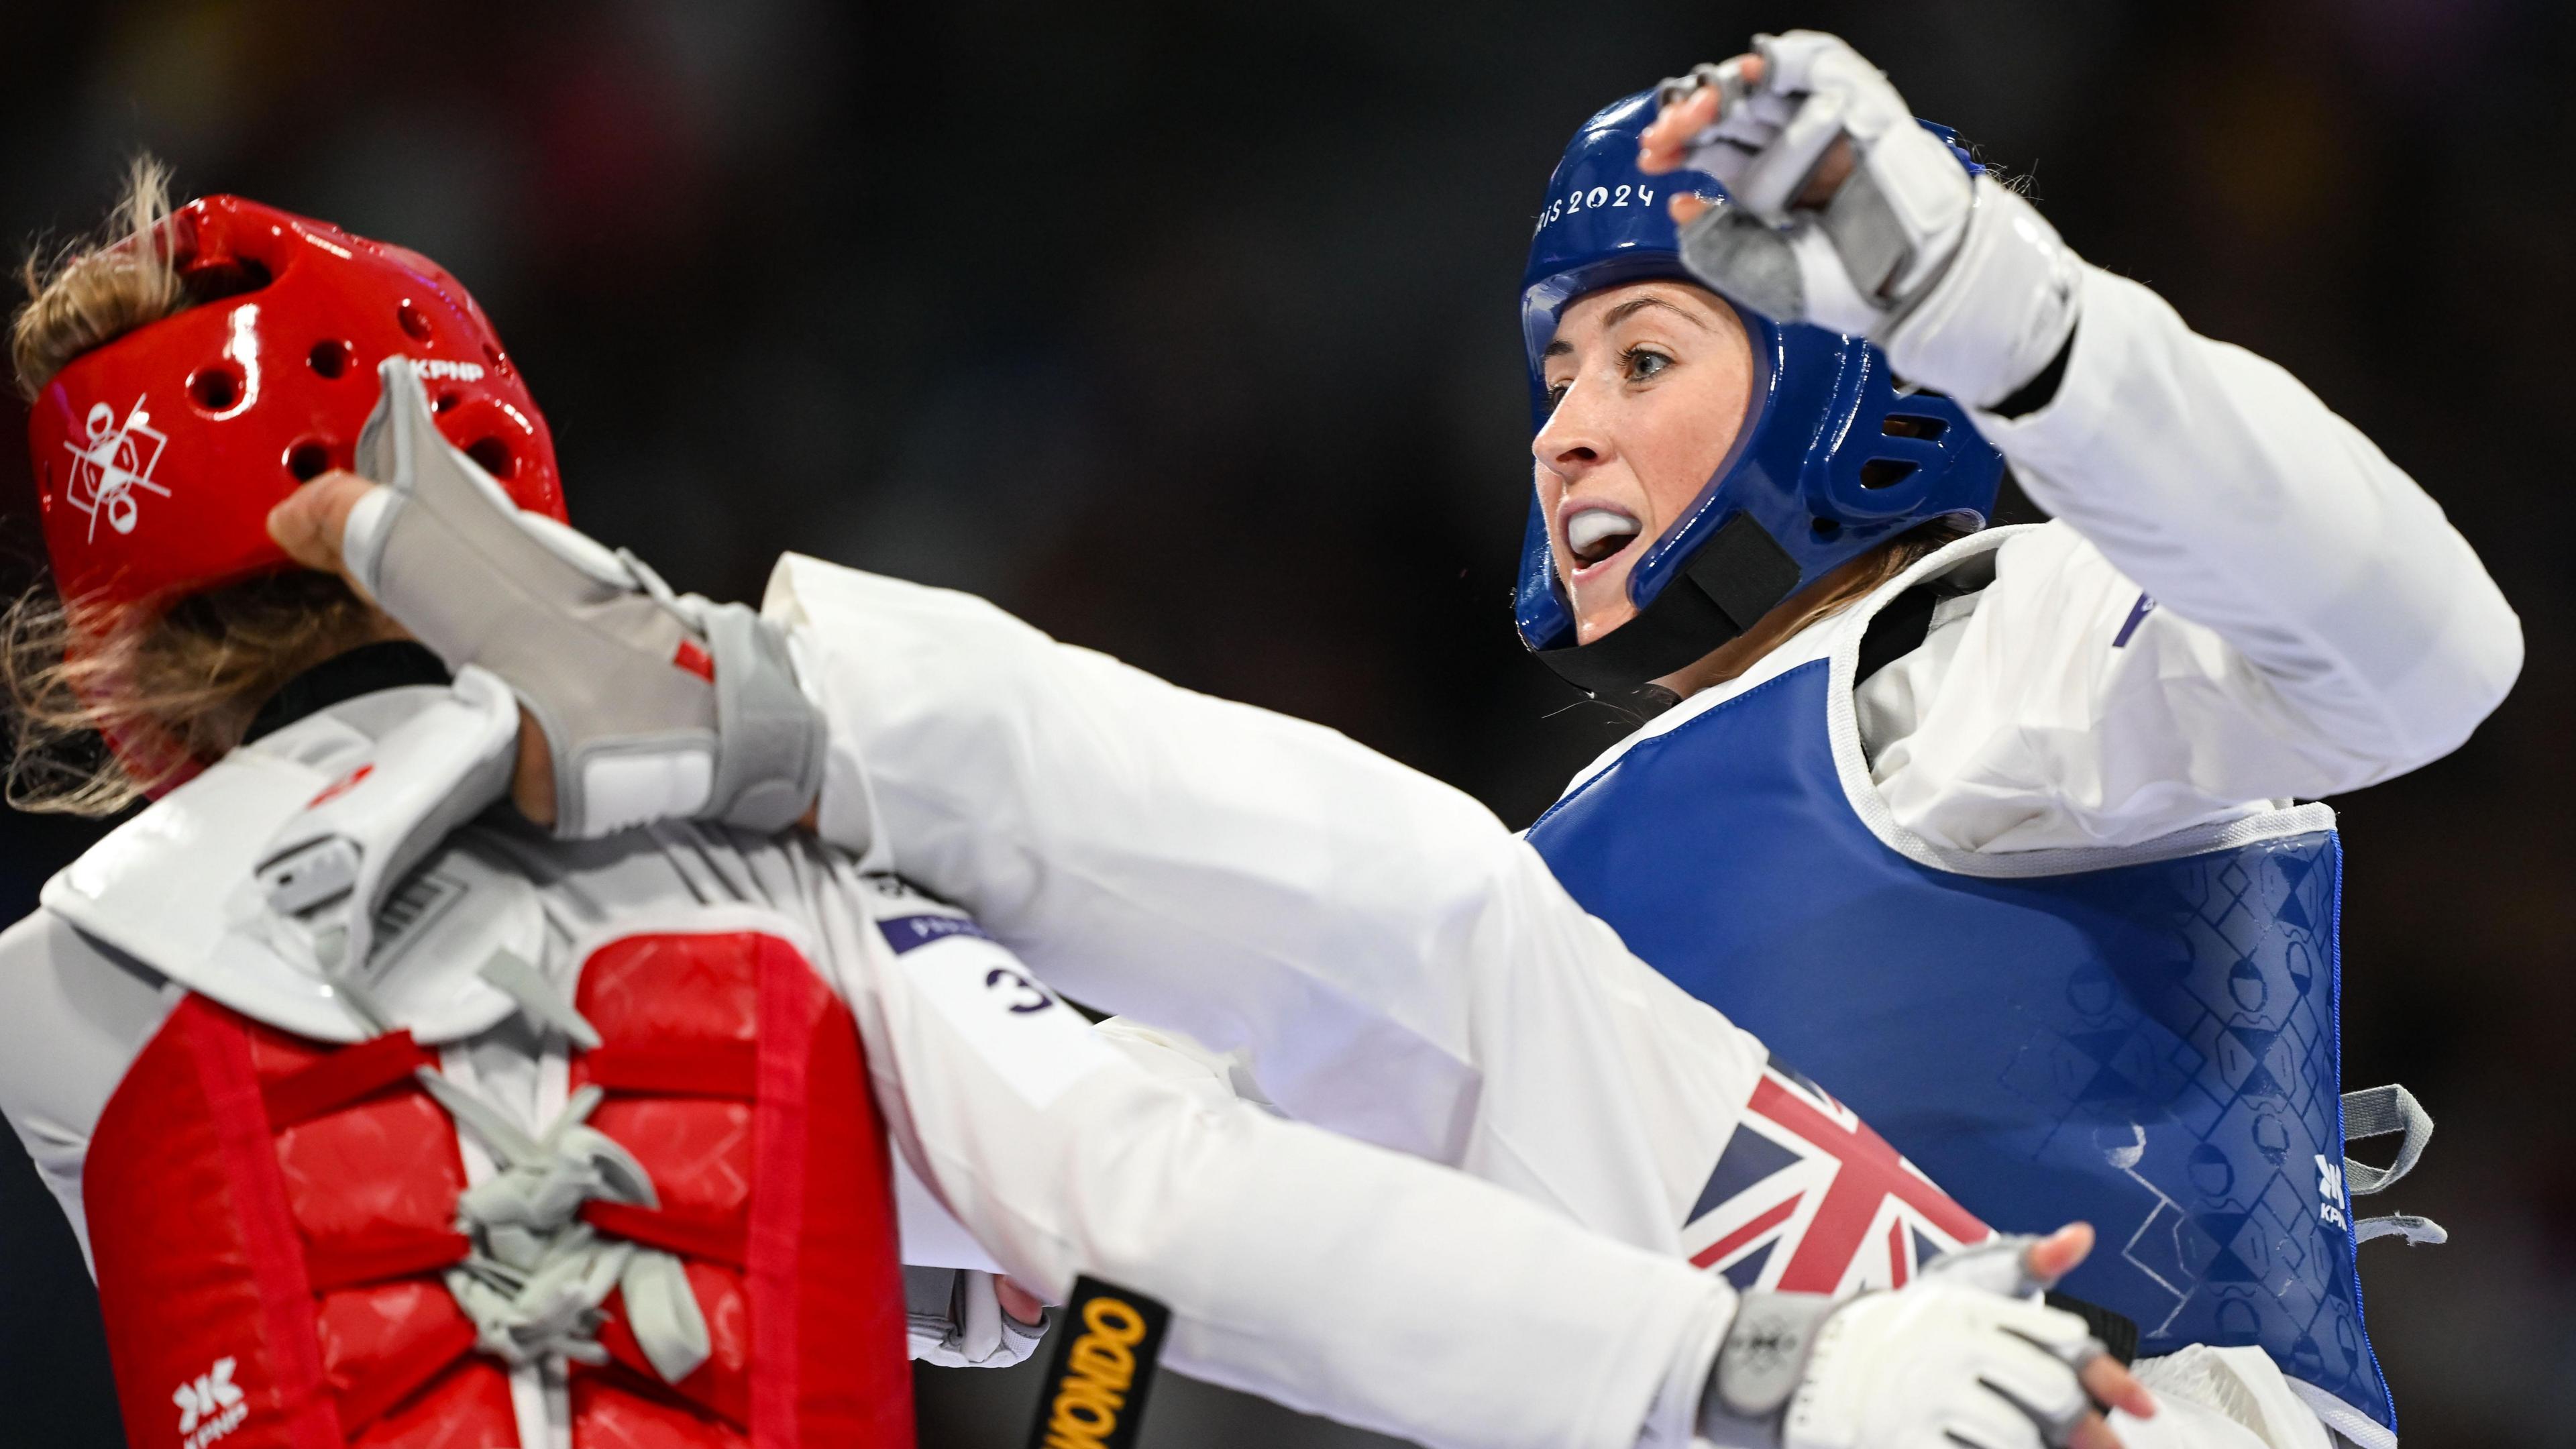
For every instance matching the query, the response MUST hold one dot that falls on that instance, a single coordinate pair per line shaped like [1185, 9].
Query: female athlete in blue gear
[1991, 829]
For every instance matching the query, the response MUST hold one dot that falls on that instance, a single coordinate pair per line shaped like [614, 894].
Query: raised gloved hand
[1847, 213]
[1954, 1358]
[653, 705]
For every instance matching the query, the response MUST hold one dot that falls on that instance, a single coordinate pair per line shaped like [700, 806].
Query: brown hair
[1874, 569]
[1837, 591]
[91, 293]
[178, 682]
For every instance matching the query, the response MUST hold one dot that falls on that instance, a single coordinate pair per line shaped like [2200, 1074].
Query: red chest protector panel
[271, 1217]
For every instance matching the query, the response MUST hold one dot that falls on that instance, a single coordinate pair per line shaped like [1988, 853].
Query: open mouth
[1596, 535]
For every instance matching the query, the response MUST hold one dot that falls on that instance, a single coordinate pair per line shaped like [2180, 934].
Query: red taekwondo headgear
[158, 456]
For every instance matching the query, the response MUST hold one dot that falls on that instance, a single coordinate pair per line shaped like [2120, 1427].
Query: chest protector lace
[293, 1250]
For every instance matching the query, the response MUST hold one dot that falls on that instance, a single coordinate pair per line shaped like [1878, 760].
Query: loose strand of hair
[95, 290]
[174, 686]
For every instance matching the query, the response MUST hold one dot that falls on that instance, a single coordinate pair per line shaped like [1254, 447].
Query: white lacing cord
[536, 1275]
[537, 998]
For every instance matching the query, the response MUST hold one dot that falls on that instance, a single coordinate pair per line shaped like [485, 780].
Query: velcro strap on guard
[1760, 1365]
[2380, 1112]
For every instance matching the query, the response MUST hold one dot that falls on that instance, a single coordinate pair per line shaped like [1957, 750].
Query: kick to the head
[1994, 831]
[382, 1115]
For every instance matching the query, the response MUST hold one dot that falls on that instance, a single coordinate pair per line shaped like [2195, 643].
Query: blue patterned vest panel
[2150, 1047]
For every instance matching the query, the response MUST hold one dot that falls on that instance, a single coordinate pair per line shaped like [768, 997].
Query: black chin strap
[1735, 579]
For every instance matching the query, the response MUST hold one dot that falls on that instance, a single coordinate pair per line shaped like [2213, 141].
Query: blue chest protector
[2150, 1047]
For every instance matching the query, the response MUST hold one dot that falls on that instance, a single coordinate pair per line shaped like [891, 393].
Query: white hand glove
[656, 706]
[1934, 1364]
[1967, 287]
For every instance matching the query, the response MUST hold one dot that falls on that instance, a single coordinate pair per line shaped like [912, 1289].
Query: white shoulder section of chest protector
[287, 881]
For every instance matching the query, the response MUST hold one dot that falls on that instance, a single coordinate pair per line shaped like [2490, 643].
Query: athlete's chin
[1600, 608]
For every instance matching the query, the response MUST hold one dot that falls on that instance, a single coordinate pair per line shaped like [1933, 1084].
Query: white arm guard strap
[657, 706]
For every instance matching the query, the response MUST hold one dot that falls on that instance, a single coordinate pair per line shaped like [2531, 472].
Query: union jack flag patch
[1807, 1199]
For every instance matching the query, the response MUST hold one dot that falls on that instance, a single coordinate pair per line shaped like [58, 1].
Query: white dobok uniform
[2295, 618]
[1309, 1268]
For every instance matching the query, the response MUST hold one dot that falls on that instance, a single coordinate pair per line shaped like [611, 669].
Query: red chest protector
[271, 1217]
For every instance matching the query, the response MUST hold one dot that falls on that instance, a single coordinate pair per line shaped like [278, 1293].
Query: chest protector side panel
[736, 1078]
[2151, 1047]
[271, 1218]
[201, 1277]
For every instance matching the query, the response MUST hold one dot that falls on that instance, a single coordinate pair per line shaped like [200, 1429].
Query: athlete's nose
[1574, 439]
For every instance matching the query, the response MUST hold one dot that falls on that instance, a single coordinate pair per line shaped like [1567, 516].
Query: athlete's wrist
[532, 783]
[1759, 1368]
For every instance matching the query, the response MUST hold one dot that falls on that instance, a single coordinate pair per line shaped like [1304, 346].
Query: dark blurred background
[1187, 331]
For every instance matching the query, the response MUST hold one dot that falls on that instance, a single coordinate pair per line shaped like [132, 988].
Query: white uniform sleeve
[73, 1017]
[1331, 1276]
[2260, 606]
[1401, 968]
[1211, 1078]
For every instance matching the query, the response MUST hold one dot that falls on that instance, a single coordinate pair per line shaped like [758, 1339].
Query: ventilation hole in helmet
[330, 358]
[215, 386]
[1900, 425]
[447, 402]
[493, 457]
[1825, 529]
[308, 460]
[1884, 472]
[500, 362]
[213, 280]
[415, 323]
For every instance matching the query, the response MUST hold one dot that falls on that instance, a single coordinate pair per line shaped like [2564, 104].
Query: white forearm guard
[656, 706]
[2001, 311]
[1967, 287]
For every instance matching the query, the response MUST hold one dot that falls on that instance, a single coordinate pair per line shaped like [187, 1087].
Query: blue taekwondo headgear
[1835, 457]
